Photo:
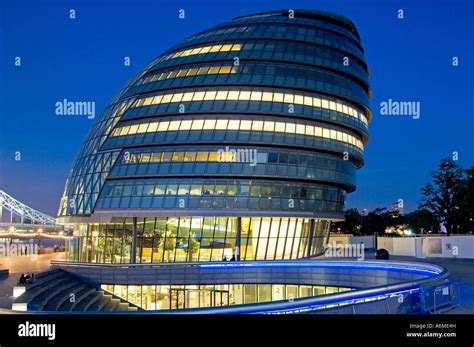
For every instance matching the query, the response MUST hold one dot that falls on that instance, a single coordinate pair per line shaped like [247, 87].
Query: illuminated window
[299, 99]
[163, 126]
[177, 97]
[187, 97]
[203, 70]
[288, 98]
[280, 127]
[267, 96]
[225, 69]
[197, 124]
[290, 128]
[147, 102]
[214, 156]
[182, 73]
[172, 74]
[174, 126]
[133, 129]
[142, 128]
[300, 129]
[185, 125]
[245, 125]
[215, 49]
[210, 95]
[256, 96]
[166, 98]
[178, 156]
[221, 124]
[205, 50]
[242, 125]
[244, 95]
[269, 126]
[198, 96]
[278, 97]
[192, 72]
[201, 156]
[233, 124]
[209, 124]
[221, 95]
[213, 70]
[257, 125]
[233, 95]
[156, 157]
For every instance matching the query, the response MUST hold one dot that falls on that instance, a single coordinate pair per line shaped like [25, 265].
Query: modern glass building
[239, 143]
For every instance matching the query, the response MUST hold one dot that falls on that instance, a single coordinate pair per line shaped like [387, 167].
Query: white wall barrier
[368, 241]
[435, 246]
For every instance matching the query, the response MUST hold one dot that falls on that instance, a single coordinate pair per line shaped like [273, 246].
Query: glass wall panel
[166, 297]
[190, 239]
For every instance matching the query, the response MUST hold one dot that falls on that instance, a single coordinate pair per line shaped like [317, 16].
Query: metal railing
[434, 276]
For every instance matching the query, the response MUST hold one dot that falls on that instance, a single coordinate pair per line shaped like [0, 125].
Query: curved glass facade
[239, 143]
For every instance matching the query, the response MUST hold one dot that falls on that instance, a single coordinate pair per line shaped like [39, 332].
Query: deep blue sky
[82, 59]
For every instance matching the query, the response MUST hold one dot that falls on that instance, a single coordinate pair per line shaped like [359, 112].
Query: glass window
[160, 189]
[221, 95]
[245, 125]
[190, 156]
[197, 124]
[208, 189]
[195, 189]
[185, 125]
[233, 95]
[153, 127]
[209, 124]
[257, 125]
[202, 156]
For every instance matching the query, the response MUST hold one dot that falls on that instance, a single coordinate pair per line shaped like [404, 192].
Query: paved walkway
[461, 275]
[17, 266]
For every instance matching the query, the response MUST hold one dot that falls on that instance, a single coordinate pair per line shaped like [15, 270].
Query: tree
[443, 196]
[377, 221]
[466, 205]
[351, 224]
[421, 221]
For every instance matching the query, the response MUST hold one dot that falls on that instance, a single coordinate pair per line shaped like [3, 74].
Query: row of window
[194, 71]
[284, 76]
[299, 21]
[251, 95]
[235, 170]
[222, 31]
[203, 50]
[188, 239]
[208, 203]
[175, 296]
[221, 188]
[238, 125]
[281, 51]
[294, 33]
[281, 157]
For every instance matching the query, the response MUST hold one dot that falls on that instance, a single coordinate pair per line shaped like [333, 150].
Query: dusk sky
[410, 59]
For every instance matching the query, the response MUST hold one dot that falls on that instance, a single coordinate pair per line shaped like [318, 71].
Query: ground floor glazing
[171, 297]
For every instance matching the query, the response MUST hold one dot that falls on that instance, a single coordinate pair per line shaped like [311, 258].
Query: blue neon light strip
[429, 271]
